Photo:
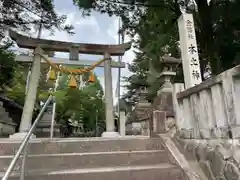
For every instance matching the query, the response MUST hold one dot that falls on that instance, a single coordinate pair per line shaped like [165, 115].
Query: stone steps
[89, 160]
[153, 172]
[7, 126]
[82, 145]
[4, 116]
[94, 159]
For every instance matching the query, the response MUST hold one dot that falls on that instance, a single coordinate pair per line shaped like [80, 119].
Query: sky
[98, 28]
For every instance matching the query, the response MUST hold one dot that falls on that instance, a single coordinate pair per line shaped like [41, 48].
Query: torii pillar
[74, 49]
[110, 126]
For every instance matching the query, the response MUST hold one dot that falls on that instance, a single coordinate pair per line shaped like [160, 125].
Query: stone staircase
[7, 126]
[132, 158]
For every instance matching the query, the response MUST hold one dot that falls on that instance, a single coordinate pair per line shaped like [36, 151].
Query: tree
[211, 18]
[16, 89]
[7, 67]
[22, 15]
[160, 40]
[155, 23]
[84, 106]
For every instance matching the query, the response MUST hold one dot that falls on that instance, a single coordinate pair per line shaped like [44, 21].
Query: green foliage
[84, 106]
[22, 14]
[16, 89]
[81, 107]
[7, 67]
[155, 22]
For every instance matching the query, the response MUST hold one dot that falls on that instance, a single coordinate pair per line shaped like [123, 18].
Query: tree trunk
[206, 35]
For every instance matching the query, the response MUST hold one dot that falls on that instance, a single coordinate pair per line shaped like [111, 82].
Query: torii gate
[42, 45]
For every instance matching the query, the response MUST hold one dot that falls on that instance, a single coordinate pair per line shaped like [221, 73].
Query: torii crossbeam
[61, 46]
[66, 61]
[42, 45]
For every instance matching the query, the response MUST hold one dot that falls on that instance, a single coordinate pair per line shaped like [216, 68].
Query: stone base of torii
[40, 46]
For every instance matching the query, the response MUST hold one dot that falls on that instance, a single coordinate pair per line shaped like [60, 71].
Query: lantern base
[112, 134]
[20, 136]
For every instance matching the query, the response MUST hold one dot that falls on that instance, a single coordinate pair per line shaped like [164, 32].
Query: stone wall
[210, 109]
[208, 120]
[219, 159]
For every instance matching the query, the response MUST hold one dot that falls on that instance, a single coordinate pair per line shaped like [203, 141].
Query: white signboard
[189, 52]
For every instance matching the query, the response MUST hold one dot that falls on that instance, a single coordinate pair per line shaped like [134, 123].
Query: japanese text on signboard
[190, 29]
[192, 50]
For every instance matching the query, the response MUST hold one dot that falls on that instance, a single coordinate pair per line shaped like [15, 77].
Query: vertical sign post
[189, 51]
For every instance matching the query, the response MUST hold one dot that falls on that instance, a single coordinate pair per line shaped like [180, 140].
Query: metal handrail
[25, 141]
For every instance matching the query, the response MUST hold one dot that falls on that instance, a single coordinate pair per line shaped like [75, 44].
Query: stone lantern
[142, 93]
[168, 72]
[143, 103]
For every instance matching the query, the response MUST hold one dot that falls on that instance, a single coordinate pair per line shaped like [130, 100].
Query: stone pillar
[178, 106]
[122, 123]
[189, 51]
[30, 99]
[159, 120]
[110, 128]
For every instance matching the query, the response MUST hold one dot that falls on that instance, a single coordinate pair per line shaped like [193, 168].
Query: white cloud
[78, 23]
[113, 29]
[89, 21]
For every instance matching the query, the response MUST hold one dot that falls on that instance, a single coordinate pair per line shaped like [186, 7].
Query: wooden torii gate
[41, 45]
